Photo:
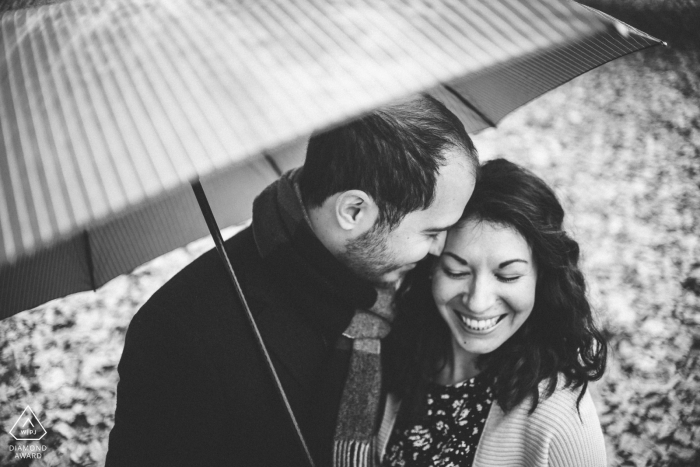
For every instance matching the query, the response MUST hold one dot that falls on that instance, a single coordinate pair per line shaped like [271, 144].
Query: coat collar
[284, 238]
[320, 288]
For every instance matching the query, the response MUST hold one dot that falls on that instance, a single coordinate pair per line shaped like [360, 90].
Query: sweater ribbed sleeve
[554, 435]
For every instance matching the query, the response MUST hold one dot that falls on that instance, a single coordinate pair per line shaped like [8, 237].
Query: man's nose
[480, 296]
[438, 244]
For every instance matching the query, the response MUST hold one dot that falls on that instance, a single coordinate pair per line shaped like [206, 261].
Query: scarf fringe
[353, 453]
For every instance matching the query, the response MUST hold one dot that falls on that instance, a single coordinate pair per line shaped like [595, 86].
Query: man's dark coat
[194, 389]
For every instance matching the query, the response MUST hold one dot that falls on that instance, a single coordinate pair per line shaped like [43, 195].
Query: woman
[489, 361]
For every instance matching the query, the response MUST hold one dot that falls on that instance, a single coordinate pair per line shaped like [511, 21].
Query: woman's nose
[479, 296]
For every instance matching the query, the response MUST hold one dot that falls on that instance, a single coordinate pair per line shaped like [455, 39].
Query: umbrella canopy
[109, 109]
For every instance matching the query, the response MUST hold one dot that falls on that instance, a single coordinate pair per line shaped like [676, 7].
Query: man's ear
[355, 210]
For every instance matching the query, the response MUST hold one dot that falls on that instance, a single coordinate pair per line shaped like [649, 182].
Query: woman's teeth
[479, 324]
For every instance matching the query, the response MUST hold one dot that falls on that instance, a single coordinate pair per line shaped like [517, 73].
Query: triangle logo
[27, 427]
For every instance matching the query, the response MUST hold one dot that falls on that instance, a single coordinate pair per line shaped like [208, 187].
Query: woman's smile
[479, 325]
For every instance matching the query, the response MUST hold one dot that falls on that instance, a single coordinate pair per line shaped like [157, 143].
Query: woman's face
[484, 286]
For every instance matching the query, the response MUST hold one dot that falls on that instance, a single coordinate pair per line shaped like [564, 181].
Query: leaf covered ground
[621, 145]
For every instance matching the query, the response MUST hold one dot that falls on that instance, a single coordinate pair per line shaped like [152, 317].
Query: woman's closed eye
[455, 273]
[508, 278]
[511, 272]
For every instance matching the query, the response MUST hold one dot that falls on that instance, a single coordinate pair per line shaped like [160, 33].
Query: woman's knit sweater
[554, 435]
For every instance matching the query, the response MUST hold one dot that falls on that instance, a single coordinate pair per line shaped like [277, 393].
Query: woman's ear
[355, 211]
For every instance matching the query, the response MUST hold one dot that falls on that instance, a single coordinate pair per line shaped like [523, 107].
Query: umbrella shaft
[219, 242]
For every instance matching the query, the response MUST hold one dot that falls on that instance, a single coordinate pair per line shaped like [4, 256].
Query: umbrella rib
[270, 160]
[471, 106]
[90, 262]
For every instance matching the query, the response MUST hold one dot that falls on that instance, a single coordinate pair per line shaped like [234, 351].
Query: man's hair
[559, 338]
[393, 154]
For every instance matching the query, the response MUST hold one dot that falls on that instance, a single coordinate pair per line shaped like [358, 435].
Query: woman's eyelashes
[507, 279]
[455, 274]
[459, 274]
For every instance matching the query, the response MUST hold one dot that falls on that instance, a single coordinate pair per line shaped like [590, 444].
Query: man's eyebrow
[511, 261]
[459, 259]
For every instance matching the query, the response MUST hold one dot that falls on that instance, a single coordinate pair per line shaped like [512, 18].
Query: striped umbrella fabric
[109, 109]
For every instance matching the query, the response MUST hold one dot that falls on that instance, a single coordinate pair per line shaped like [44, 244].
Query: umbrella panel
[483, 99]
[105, 112]
[88, 260]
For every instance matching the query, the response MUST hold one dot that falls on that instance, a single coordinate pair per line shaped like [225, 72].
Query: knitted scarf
[358, 417]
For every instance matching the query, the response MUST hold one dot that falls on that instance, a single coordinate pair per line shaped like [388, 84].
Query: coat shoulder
[203, 286]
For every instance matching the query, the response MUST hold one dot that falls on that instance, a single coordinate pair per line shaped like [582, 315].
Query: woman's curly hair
[559, 338]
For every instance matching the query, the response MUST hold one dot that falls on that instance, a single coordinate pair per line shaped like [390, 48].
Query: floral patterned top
[449, 433]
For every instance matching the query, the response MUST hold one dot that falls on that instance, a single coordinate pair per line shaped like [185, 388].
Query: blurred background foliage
[621, 145]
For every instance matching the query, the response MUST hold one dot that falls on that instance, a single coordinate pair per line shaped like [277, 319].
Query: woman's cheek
[438, 285]
[522, 299]
[444, 288]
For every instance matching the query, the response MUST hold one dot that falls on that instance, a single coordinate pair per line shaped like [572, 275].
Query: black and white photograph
[350, 233]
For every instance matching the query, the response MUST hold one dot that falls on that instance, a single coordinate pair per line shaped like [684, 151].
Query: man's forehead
[430, 220]
[454, 187]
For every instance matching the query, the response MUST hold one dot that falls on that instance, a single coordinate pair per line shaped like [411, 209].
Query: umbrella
[110, 109]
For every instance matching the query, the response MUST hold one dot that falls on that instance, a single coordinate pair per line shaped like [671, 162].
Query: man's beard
[368, 256]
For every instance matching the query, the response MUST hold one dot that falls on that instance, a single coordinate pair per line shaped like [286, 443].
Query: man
[318, 267]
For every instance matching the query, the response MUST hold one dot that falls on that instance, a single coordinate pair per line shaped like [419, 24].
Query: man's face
[384, 256]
